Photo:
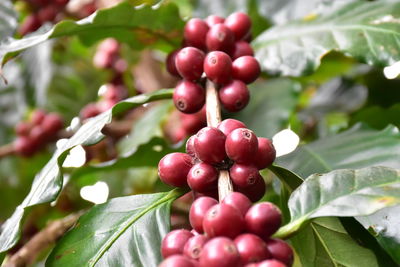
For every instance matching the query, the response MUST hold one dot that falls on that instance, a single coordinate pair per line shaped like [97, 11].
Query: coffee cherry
[238, 201]
[189, 97]
[174, 242]
[37, 136]
[24, 147]
[271, 263]
[254, 192]
[213, 20]
[228, 125]
[218, 67]
[61, 2]
[241, 145]
[220, 38]
[30, 24]
[265, 153]
[243, 175]
[251, 248]
[281, 251]
[198, 210]
[212, 193]
[23, 128]
[109, 46]
[195, 33]
[234, 96]
[239, 23]
[103, 60]
[223, 220]
[263, 219]
[190, 146]
[47, 13]
[202, 177]
[210, 145]
[242, 48]
[174, 167]
[177, 261]
[246, 69]
[37, 117]
[51, 124]
[89, 111]
[170, 63]
[219, 252]
[194, 246]
[189, 63]
[192, 123]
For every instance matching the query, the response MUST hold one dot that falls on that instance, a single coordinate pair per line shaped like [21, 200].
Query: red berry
[189, 63]
[23, 128]
[24, 147]
[174, 242]
[223, 220]
[228, 125]
[47, 13]
[52, 123]
[220, 38]
[177, 261]
[271, 263]
[119, 65]
[202, 177]
[174, 167]
[242, 48]
[238, 201]
[170, 63]
[109, 46]
[218, 67]
[251, 248]
[89, 111]
[190, 146]
[243, 175]
[198, 210]
[239, 23]
[254, 192]
[219, 252]
[194, 246]
[37, 116]
[210, 145]
[213, 20]
[246, 69]
[37, 136]
[241, 145]
[263, 219]
[195, 33]
[192, 123]
[265, 153]
[189, 97]
[103, 60]
[61, 2]
[281, 251]
[212, 193]
[30, 24]
[234, 96]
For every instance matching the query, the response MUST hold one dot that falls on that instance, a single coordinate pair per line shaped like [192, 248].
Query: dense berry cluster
[34, 134]
[230, 146]
[219, 48]
[232, 233]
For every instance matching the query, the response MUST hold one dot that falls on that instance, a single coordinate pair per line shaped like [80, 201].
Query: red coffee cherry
[219, 252]
[220, 38]
[228, 125]
[37, 116]
[195, 33]
[238, 201]
[234, 96]
[89, 111]
[38, 136]
[223, 220]
[281, 251]
[254, 192]
[47, 13]
[213, 20]
[194, 246]
[271, 263]
[51, 124]
[242, 48]
[266, 153]
[239, 23]
[177, 261]
[174, 242]
[251, 248]
[23, 128]
[170, 63]
[210, 145]
[241, 145]
[103, 60]
[263, 219]
[174, 167]
[243, 175]
[190, 146]
[189, 63]
[30, 24]
[202, 177]
[218, 67]
[109, 46]
[61, 2]
[246, 69]
[198, 210]
[192, 123]
[24, 147]
[212, 193]
[189, 97]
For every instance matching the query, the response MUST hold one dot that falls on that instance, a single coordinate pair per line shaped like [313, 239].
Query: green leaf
[125, 231]
[378, 117]
[8, 19]
[367, 31]
[141, 27]
[48, 182]
[288, 178]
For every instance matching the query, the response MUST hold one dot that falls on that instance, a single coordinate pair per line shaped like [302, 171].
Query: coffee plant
[200, 133]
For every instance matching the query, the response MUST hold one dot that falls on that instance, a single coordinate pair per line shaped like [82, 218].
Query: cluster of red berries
[229, 62]
[34, 134]
[108, 57]
[232, 233]
[230, 146]
[43, 11]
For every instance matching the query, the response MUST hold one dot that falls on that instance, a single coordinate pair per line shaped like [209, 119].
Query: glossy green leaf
[125, 231]
[367, 31]
[48, 182]
[288, 178]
